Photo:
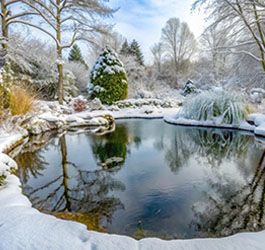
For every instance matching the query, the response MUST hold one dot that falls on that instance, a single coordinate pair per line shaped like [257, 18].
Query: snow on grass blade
[218, 107]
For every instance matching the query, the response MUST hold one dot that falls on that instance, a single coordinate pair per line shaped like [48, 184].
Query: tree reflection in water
[110, 150]
[86, 192]
[227, 210]
[214, 145]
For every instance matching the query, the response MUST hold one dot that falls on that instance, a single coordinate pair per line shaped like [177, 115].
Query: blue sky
[143, 19]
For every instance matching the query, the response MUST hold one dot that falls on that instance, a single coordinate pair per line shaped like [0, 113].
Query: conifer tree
[125, 49]
[75, 55]
[108, 78]
[135, 50]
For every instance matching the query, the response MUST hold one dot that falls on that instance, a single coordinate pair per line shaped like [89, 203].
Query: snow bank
[258, 121]
[7, 140]
[188, 122]
[145, 112]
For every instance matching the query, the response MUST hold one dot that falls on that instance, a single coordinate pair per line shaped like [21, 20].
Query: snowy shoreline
[24, 227]
[258, 121]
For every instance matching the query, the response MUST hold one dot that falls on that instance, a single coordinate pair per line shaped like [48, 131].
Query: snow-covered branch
[37, 27]
[21, 15]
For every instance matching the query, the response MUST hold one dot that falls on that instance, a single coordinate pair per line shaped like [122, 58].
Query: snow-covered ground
[23, 227]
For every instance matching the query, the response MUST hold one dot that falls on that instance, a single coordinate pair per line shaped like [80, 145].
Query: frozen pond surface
[149, 178]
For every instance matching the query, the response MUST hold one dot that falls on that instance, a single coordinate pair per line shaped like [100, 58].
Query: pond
[149, 178]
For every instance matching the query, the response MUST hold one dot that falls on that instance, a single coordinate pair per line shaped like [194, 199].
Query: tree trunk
[60, 82]
[4, 24]
[59, 53]
[260, 30]
[65, 176]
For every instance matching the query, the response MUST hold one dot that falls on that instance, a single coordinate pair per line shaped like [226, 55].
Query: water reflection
[88, 193]
[175, 182]
[227, 210]
[110, 150]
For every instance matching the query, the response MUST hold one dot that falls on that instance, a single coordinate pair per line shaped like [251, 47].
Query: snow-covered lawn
[23, 227]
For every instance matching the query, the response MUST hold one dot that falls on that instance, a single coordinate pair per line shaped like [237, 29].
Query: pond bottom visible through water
[149, 178]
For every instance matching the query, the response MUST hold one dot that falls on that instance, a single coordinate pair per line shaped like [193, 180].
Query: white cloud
[143, 19]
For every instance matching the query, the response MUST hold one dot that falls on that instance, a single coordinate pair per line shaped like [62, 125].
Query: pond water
[149, 178]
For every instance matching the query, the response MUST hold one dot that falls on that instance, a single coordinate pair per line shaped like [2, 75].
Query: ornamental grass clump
[221, 107]
[21, 102]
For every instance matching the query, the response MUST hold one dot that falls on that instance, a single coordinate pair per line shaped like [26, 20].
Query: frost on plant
[108, 78]
[218, 107]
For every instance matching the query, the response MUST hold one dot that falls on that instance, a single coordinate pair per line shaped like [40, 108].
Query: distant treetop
[134, 50]
[75, 55]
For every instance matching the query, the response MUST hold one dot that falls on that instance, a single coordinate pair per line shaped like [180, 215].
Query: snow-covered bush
[34, 63]
[257, 94]
[108, 78]
[79, 105]
[69, 87]
[137, 76]
[222, 107]
[138, 103]
[189, 88]
[80, 72]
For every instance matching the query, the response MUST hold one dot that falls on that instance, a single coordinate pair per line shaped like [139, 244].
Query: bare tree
[10, 13]
[212, 39]
[111, 39]
[65, 22]
[179, 43]
[244, 19]
[157, 52]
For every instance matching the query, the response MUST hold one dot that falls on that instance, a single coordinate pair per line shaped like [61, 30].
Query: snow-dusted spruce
[218, 107]
[108, 78]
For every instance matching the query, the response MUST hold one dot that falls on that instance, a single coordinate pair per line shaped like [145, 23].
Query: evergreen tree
[75, 55]
[108, 78]
[125, 49]
[135, 50]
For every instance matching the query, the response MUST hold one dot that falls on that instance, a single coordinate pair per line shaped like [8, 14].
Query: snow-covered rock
[256, 95]
[96, 104]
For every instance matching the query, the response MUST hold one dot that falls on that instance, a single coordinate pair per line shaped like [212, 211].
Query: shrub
[221, 107]
[79, 105]
[189, 88]
[21, 102]
[108, 78]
